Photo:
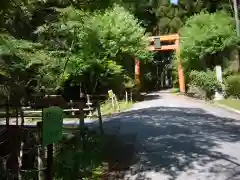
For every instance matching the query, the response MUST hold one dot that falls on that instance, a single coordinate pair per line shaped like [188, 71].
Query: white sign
[110, 93]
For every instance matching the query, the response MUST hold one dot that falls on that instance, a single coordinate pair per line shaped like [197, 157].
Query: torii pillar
[181, 78]
[137, 71]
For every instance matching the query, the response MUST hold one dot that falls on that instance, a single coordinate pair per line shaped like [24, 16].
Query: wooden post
[89, 104]
[113, 104]
[81, 114]
[20, 155]
[16, 116]
[100, 116]
[180, 68]
[40, 152]
[118, 108]
[131, 96]
[49, 170]
[71, 103]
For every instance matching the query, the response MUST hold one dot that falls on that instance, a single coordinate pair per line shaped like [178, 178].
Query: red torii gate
[174, 38]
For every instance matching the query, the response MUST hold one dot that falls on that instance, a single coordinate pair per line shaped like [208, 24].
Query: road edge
[226, 107]
[213, 103]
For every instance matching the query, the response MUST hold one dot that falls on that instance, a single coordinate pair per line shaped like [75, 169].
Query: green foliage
[120, 32]
[90, 46]
[233, 85]
[107, 109]
[25, 66]
[206, 40]
[207, 81]
[206, 35]
[161, 17]
[78, 158]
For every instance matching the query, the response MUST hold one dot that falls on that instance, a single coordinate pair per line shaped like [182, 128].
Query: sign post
[51, 133]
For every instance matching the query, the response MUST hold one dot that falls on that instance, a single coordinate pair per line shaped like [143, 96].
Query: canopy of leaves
[162, 17]
[24, 69]
[78, 35]
[91, 45]
[119, 32]
[206, 35]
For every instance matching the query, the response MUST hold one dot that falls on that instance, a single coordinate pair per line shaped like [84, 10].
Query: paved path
[176, 138]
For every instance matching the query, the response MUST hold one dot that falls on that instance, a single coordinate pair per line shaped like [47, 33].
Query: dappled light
[175, 142]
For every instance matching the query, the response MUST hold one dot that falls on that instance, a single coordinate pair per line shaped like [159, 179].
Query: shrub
[233, 85]
[207, 81]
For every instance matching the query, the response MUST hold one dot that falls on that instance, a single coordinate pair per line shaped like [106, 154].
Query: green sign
[52, 125]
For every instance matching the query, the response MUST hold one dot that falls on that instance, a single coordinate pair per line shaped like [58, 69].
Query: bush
[207, 81]
[233, 85]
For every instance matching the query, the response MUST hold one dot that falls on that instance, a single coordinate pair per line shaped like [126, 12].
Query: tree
[91, 45]
[24, 70]
[206, 39]
[161, 17]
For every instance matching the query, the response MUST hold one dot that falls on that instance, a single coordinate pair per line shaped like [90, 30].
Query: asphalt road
[175, 138]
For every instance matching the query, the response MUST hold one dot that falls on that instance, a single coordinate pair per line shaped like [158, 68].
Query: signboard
[52, 125]
[110, 93]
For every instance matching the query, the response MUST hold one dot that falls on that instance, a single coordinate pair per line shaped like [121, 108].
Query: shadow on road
[171, 141]
[149, 97]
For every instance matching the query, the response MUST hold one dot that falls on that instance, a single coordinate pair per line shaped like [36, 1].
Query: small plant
[233, 85]
[207, 81]
[107, 108]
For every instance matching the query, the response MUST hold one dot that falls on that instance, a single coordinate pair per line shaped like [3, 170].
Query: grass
[175, 90]
[232, 103]
[107, 109]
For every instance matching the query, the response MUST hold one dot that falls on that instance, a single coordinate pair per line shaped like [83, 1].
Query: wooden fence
[23, 140]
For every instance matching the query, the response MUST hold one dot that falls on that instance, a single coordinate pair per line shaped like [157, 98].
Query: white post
[89, 104]
[113, 104]
[219, 95]
[116, 101]
[71, 102]
[126, 96]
